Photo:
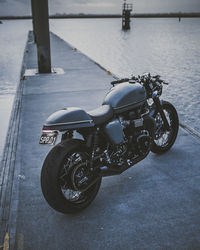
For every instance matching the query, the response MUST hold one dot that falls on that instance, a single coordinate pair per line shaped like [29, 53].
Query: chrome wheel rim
[66, 186]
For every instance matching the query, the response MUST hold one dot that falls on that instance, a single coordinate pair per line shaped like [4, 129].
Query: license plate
[48, 137]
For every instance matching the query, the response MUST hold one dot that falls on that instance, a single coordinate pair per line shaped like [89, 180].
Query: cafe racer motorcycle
[131, 122]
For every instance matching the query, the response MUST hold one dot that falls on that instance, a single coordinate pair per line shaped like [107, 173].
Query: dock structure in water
[126, 14]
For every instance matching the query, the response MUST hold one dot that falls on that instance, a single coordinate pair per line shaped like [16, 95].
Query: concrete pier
[153, 205]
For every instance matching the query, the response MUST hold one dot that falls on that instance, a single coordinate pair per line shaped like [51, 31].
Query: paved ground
[153, 205]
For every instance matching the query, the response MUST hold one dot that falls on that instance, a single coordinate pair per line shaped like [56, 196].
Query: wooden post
[40, 15]
[33, 8]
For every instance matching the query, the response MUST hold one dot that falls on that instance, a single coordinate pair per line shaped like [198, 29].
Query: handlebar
[120, 81]
[140, 79]
[163, 82]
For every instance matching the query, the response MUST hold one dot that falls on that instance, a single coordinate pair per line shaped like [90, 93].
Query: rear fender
[68, 119]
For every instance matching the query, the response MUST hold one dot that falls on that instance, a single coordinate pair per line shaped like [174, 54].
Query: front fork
[162, 114]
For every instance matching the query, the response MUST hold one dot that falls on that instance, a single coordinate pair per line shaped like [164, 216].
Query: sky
[22, 7]
[115, 6]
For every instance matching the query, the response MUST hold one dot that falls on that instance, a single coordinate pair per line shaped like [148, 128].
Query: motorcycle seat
[101, 114]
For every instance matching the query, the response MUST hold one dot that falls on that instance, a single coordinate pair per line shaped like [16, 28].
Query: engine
[131, 136]
[139, 133]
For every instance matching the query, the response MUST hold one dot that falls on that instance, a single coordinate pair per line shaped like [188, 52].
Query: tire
[56, 176]
[165, 139]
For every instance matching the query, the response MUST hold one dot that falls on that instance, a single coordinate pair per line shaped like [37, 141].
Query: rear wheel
[165, 138]
[67, 183]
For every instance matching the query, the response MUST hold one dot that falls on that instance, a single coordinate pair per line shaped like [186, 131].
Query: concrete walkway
[153, 205]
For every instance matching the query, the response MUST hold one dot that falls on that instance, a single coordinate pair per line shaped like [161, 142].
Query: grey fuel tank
[125, 96]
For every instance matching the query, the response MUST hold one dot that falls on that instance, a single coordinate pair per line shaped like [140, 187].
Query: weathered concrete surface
[153, 205]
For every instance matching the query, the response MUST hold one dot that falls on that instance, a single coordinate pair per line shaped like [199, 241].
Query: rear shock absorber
[95, 139]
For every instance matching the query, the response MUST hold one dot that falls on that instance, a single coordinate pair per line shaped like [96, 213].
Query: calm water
[164, 46]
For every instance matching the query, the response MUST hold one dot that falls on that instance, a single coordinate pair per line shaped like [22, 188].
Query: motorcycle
[131, 122]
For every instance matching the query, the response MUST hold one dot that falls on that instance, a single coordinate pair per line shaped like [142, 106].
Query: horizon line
[83, 15]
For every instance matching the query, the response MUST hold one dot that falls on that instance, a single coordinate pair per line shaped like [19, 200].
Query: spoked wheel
[165, 138]
[68, 184]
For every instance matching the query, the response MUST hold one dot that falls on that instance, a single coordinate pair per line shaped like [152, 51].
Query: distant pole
[126, 14]
[179, 18]
[40, 16]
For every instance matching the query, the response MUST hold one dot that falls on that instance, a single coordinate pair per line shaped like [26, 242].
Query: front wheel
[165, 138]
[67, 182]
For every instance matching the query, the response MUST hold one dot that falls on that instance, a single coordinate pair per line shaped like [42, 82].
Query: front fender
[153, 110]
